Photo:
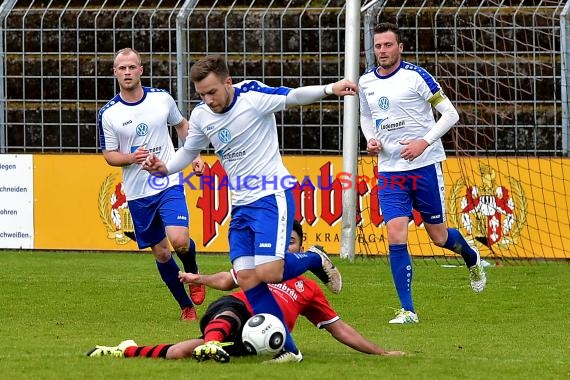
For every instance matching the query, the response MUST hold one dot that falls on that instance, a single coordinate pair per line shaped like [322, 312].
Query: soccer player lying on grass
[222, 322]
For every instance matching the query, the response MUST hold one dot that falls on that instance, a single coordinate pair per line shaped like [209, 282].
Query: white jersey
[245, 139]
[399, 106]
[126, 126]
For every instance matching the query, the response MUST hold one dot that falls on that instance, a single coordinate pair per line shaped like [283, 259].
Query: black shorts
[236, 306]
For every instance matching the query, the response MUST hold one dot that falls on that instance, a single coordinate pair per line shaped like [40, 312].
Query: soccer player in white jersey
[239, 121]
[131, 125]
[396, 100]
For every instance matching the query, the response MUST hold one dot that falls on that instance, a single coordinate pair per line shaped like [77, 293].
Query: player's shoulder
[415, 69]
[153, 91]
[116, 100]
[368, 74]
[257, 87]
[370, 77]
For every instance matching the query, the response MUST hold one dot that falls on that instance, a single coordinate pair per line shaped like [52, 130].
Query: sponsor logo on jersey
[232, 156]
[264, 245]
[390, 126]
[384, 103]
[142, 129]
[379, 123]
[224, 135]
[181, 217]
[210, 127]
[285, 289]
[127, 122]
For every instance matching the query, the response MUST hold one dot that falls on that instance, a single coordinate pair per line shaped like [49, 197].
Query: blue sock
[402, 273]
[261, 300]
[169, 273]
[298, 263]
[457, 243]
[189, 258]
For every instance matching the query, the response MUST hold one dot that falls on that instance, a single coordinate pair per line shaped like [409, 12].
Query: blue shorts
[262, 227]
[152, 214]
[420, 189]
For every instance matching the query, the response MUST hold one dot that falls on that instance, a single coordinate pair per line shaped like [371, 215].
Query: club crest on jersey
[224, 135]
[384, 103]
[142, 129]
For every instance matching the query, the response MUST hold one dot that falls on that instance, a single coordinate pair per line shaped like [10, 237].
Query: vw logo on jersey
[224, 135]
[142, 129]
[383, 103]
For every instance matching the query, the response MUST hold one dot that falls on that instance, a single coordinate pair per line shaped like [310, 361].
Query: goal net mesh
[506, 177]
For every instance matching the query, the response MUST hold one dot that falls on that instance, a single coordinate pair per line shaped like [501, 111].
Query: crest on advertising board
[492, 213]
[114, 211]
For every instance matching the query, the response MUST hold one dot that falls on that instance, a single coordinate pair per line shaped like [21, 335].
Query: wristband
[329, 89]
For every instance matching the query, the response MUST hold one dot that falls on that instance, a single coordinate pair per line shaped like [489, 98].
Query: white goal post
[350, 130]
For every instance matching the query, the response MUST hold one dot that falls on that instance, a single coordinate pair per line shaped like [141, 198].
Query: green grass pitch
[55, 306]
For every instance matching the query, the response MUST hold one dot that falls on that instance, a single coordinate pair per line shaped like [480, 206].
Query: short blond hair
[127, 50]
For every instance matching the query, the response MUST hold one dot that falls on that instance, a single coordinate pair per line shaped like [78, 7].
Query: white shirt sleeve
[366, 122]
[449, 117]
[305, 95]
[182, 158]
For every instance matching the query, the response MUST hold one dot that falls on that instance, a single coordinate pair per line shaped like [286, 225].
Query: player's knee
[269, 273]
[180, 244]
[439, 240]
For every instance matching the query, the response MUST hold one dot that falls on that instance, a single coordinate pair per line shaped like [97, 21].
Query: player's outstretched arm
[182, 158]
[341, 88]
[311, 94]
[347, 335]
[220, 280]
[183, 349]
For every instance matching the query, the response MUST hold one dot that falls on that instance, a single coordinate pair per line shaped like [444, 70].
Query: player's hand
[393, 353]
[373, 147]
[412, 149]
[188, 278]
[140, 155]
[198, 166]
[153, 164]
[344, 87]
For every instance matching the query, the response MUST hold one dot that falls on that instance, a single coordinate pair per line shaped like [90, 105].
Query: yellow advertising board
[517, 206]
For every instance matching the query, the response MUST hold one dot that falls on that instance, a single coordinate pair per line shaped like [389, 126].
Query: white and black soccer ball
[263, 334]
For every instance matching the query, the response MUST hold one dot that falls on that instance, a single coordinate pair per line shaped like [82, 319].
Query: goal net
[506, 175]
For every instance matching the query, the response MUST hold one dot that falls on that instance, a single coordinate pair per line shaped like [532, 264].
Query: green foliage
[55, 306]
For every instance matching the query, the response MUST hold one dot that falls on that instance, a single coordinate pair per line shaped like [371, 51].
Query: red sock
[218, 329]
[158, 351]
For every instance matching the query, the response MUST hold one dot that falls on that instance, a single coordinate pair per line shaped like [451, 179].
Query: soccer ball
[263, 334]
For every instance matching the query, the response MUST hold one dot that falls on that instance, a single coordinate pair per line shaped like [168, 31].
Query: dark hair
[384, 27]
[211, 64]
[298, 229]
